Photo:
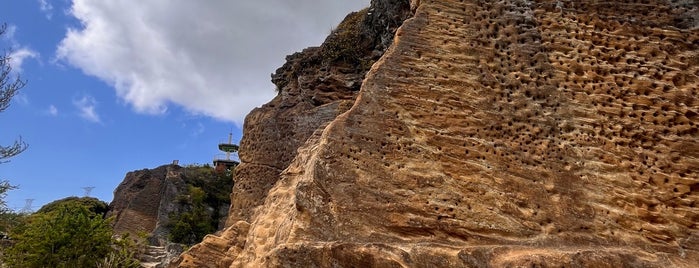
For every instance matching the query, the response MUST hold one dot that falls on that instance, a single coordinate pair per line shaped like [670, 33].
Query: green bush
[190, 226]
[66, 234]
[96, 206]
[344, 43]
[217, 186]
[207, 191]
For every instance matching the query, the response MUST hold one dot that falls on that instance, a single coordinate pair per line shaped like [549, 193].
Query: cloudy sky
[116, 86]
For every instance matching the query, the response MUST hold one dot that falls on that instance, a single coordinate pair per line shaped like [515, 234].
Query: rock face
[315, 86]
[144, 200]
[491, 133]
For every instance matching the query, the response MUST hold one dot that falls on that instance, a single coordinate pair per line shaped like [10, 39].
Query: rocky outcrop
[491, 133]
[144, 200]
[159, 256]
[314, 87]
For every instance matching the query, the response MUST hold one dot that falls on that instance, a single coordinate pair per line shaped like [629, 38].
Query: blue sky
[116, 86]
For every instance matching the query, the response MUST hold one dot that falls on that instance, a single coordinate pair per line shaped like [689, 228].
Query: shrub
[344, 43]
[190, 226]
[66, 234]
[199, 215]
[96, 206]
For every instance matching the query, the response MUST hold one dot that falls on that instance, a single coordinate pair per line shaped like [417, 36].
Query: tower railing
[225, 157]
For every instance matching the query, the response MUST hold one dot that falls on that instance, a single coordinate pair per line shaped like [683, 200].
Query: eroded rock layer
[144, 199]
[503, 133]
[314, 87]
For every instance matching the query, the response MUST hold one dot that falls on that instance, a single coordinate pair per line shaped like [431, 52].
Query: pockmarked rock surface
[490, 134]
[144, 199]
[314, 87]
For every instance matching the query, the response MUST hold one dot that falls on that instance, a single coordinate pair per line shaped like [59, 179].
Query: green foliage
[67, 233]
[217, 186]
[197, 166]
[344, 43]
[207, 191]
[8, 218]
[5, 186]
[190, 226]
[122, 254]
[95, 205]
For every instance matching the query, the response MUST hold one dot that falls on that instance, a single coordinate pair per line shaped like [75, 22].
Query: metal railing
[222, 157]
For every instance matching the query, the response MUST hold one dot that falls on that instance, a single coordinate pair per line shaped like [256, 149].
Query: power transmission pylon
[88, 189]
[27, 206]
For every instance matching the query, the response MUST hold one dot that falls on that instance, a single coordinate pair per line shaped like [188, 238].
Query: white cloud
[18, 56]
[17, 53]
[212, 58]
[46, 8]
[52, 110]
[87, 109]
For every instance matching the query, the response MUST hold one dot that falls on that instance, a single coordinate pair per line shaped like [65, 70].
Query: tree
[8, 89]
[9, 86]
[68, 233]
[95, 205]
[190, 226]
[4, 187]
[200, 205]
[7, 217]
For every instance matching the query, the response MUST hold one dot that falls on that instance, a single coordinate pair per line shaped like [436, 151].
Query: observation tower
[223, 162]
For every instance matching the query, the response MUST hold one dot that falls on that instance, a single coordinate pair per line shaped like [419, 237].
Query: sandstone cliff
[314, 87]
[144, 199]
[147, 200]
[491, 133]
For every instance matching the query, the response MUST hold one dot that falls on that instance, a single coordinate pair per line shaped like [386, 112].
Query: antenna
[88, 189]
[230, 141]
[27, 206]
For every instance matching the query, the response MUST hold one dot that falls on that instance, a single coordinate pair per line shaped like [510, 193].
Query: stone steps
[153, 256]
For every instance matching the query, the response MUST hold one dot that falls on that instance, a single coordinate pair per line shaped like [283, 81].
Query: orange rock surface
[491, 133]
[143, 200]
